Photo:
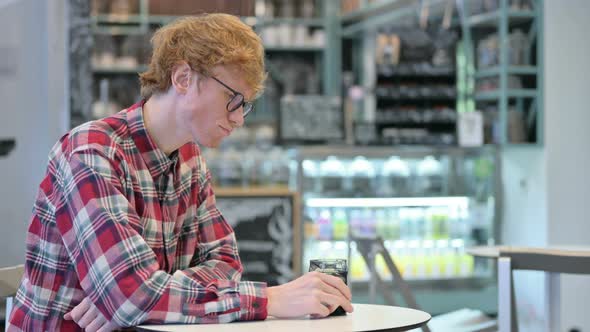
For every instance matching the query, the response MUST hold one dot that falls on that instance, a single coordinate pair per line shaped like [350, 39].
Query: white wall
[33, 106]
[524, 188]
[547, 189]
[567, 137]
[525, 224]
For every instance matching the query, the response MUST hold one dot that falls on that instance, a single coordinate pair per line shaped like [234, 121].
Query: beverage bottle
[358, 268]
[419, 222]
[325, 225]
[395, 176]
[400, 257]
[310, 226]
[333, 173]
[356, 222]
[405, 224]
[437, 265]
[393, 224]
[340, 225]
[420, 264]
[311, 179]
[430, 177]
[448, 262]
[362, 174]
[411, 259]
[369, 226]
[382, 224]
[429, 259]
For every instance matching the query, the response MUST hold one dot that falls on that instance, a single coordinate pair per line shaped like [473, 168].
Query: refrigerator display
[427, 206]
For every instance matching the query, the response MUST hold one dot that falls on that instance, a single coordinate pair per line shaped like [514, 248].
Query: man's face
[204, 113]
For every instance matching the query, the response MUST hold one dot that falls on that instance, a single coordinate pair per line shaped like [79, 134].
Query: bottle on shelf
[230, 168]
[310, 226]
[419, 224]
[382, 224]
[429, 259]
[104, 106]
[356, 222]
[362, 174]
[437, 261]
[405, 229]
[413, 259]
[340, 224]
[437, 219]
[400, 256]
[393, 224]
[358, 267]
[311, 177]
[325, 225]
[463, 261]
[395, 178]
[369, 223]
[332, 174]
[430, 177]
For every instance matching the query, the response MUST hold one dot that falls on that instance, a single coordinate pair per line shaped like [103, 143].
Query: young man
[125, 229]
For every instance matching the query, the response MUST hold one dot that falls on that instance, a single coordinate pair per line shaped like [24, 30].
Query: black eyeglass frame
[247, 106]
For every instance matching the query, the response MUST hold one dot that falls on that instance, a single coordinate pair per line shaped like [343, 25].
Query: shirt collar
[155, 159]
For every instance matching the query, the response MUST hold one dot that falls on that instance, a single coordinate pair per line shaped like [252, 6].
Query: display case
[427, 204]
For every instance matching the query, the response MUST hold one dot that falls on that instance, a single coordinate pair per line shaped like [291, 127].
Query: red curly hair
[204, 41]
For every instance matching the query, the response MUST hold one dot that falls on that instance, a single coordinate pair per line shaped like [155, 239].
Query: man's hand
[316, 294]
[88, 317]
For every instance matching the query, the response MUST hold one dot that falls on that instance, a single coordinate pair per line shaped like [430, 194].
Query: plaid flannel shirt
[133, 229]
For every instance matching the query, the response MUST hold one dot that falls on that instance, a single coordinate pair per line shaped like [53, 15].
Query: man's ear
[181, 77]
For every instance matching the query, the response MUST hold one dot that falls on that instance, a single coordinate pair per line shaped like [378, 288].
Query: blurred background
[432, 125]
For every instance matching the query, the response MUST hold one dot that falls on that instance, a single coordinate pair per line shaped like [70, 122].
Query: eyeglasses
[236, 101]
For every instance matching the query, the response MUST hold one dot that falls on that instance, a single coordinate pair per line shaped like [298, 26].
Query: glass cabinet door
[427, 207]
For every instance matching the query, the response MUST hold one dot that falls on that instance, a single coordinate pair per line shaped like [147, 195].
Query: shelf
[125, 30]
[460, 201]
[374, 9]
[447, 243]
[415, 71]
[315, 152]
[112, 19]
[424, 92]
[308, 22]
[119, 70]
[417, 98]
[474, 280]
[492, 19]
[114, 25]
[512, 70]
[433, 279]
[523, 145]
[253, 191]
[414, 124]
[161, 19]
[495, 95]
[107, 19]
[293, 48]
[384, 13]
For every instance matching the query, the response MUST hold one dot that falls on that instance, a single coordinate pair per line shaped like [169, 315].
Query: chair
[10, 278]
[457, 321]
[369, 248]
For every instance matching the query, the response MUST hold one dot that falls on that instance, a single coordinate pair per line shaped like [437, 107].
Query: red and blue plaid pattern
[133, 229]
